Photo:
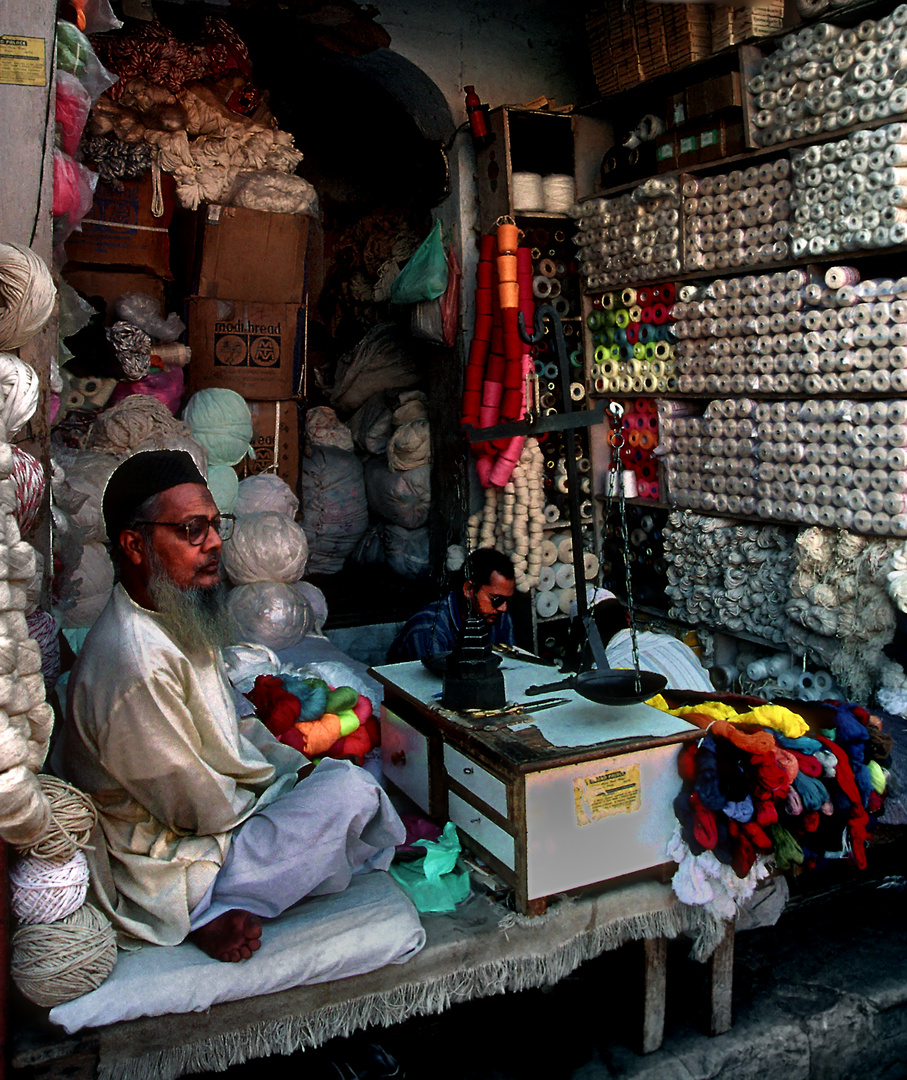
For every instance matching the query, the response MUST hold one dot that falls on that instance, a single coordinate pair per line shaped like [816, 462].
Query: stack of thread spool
[825, 78]
[737, 219]
[557, 582]
[632, 337]
[554, 273]
[791, 333]
[729, 576]
[851, 193]
[632, 237]
[556, 482]
[637, 455]
[782, 675]
[831, 462]
[648, 570]
[499, 361]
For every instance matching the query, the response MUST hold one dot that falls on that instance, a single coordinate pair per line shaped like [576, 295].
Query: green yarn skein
[787, 851]
[220, 420]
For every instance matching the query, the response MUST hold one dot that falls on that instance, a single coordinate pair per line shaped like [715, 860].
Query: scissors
[515, 708]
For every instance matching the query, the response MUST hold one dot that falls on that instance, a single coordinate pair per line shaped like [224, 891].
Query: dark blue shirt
[437, 626]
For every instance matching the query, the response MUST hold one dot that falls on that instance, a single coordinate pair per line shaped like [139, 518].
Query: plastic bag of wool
[336, 510]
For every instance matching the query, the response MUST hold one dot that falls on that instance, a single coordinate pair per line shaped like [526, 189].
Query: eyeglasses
[496, 600]
[196, 528]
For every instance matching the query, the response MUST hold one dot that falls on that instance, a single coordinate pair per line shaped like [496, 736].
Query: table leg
[721, 983]
[653, 1025]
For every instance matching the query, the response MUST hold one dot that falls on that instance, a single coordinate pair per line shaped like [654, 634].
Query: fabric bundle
[760, 789]
[266, 492]
[266, 546]
[335, 514]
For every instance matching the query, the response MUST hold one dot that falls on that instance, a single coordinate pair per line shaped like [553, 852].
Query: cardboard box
[252, 348]
[111, 284]
[676, 109]
[249, 255]
[666, 151]
[121, 230]
[713, 95]
[275, 440]
[687, 147]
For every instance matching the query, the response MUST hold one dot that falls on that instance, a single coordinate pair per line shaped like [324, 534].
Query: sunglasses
[196, 528]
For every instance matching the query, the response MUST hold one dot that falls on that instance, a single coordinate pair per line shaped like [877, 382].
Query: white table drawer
[474, 823]
[479, 781]
[404, 757]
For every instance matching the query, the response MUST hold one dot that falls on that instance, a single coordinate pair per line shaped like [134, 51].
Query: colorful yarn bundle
[778, 793]
[29, 482]
[633, 339]
[640, 432]
[498, 363]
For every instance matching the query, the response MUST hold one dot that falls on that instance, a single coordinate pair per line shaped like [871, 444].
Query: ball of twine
[29, 481]
[72, 818]
[27, 295]
[132, 347]
[42, 891]
[56, 962]
[19, 389]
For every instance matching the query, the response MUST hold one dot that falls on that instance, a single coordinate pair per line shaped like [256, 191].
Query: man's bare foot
[230, 937]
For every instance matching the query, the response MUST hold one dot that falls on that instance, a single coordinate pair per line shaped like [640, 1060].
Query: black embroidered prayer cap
[146, 473]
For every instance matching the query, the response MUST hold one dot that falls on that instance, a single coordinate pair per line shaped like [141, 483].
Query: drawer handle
[398, 758]
[468, 770]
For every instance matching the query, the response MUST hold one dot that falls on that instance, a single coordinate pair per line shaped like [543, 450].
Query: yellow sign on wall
[22, 60]
[600, 796]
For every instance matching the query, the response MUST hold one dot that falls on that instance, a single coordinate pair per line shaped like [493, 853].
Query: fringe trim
[289, 1034]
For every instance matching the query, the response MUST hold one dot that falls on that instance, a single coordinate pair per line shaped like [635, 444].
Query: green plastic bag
[436, 881]
[425, 275]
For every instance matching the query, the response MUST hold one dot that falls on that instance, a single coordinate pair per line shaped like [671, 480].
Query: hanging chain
[616, 416]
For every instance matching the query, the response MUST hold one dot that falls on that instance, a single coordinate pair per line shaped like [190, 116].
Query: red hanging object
[475, 111]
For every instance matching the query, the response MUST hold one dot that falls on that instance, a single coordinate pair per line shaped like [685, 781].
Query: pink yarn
[42, 627]
[166, 386]
[73, 189]
[72, 107]
[29, 481]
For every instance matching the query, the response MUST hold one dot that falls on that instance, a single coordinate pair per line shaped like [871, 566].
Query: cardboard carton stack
[245, 322]
[633, 40]
[124, 243]
[731, 25]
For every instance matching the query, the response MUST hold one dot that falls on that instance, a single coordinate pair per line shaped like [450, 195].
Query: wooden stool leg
[653, 1024]
[721, 984]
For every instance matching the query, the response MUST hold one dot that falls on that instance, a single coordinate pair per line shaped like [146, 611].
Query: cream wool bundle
[44, 890]
[324, 428]
[267, 546]
[842, 614]
[137, 421]
[27, 295]
[513, 518]
[410, 446]
[19, 391]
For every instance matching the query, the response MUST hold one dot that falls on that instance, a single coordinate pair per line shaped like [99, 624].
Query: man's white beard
[196, 617]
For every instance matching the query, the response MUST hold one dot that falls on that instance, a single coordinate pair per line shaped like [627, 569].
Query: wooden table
[573, 797]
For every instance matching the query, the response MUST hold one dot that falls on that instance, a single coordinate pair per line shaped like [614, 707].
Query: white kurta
[152, 735]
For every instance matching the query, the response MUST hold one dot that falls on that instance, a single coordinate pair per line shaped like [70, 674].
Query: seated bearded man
[204, 827]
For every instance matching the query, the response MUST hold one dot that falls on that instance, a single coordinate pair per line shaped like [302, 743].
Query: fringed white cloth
[480, 950]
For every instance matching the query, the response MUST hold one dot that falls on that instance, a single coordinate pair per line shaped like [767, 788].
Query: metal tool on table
[515, 708]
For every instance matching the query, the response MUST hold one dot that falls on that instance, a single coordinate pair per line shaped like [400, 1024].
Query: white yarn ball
[42, 891]
[19, 389]
[269, 613]
[265, 491]
[27, 295]
[265, 547]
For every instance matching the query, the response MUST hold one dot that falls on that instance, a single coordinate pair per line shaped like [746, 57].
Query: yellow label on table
[606, 794]
[22, 61]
